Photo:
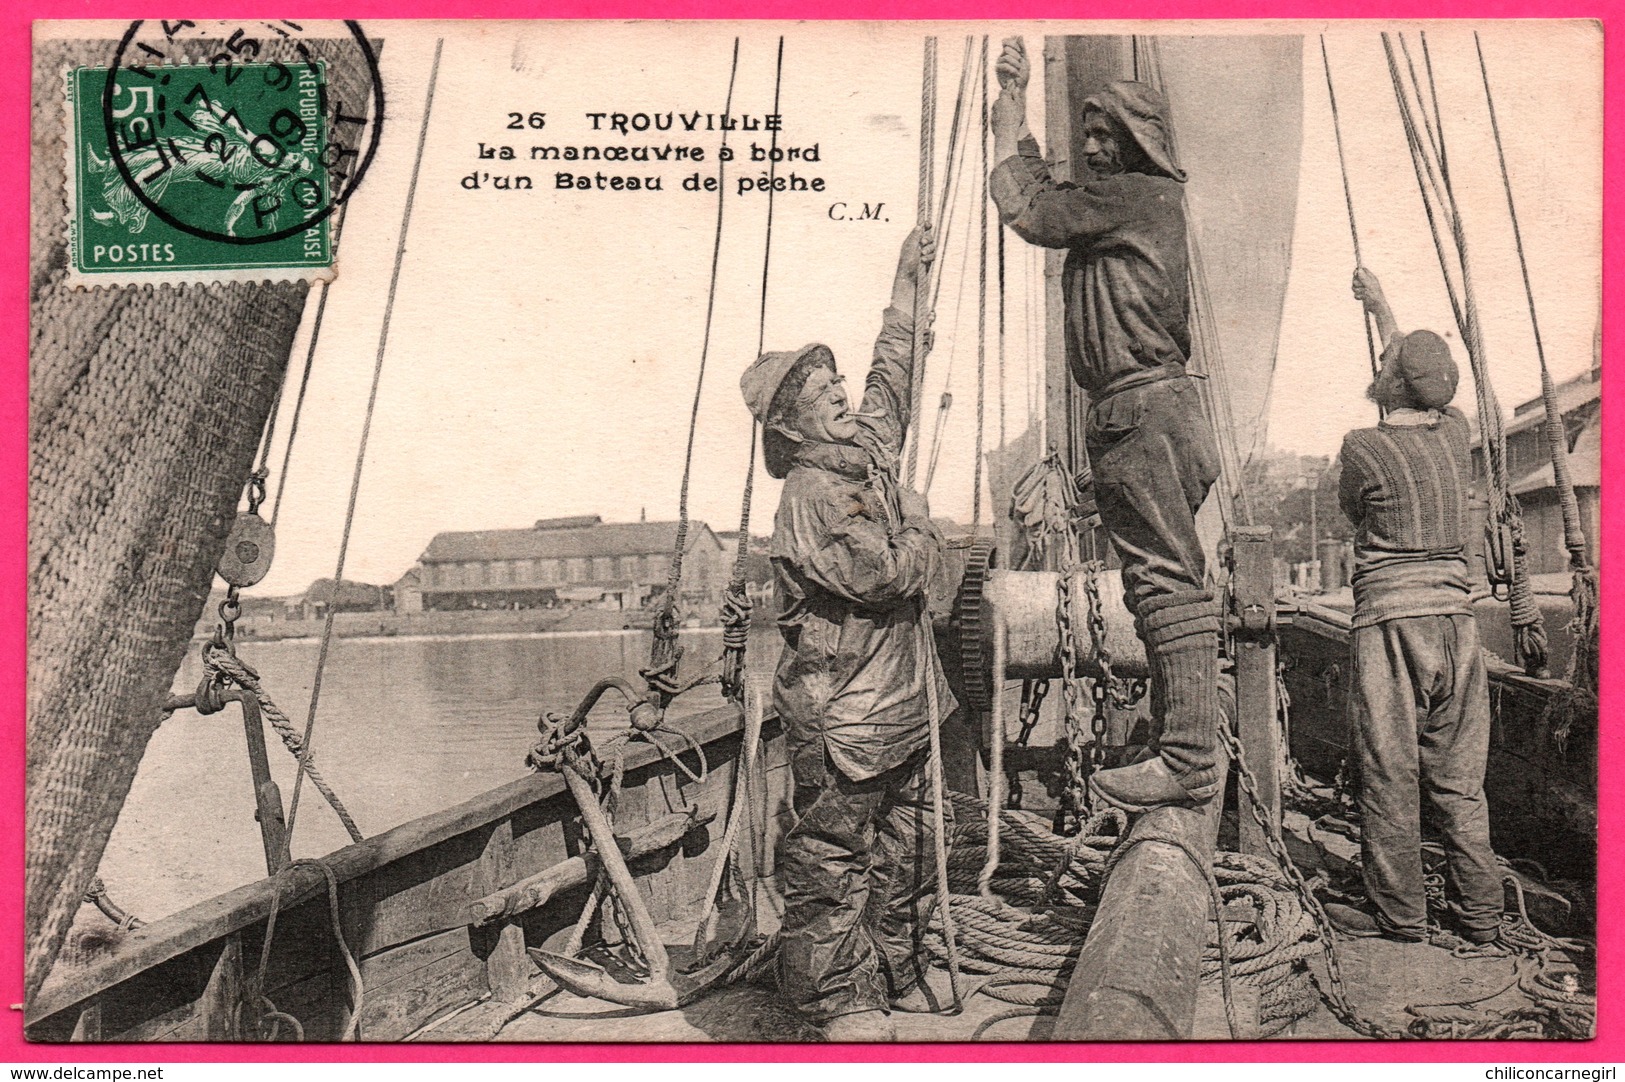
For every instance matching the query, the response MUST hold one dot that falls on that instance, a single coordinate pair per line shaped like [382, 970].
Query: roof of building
[1572, 395]
[350, 592]
[552, 542]
[1585, 466]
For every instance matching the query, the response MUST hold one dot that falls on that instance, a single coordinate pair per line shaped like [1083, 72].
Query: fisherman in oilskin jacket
[852, 552]
[1150, 447]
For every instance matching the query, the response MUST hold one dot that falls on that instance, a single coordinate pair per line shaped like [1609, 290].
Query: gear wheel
[974, 662]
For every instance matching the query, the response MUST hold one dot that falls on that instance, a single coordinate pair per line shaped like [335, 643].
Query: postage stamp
[228, 168]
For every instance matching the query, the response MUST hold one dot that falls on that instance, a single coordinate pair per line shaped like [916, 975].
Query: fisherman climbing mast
[1151, 449]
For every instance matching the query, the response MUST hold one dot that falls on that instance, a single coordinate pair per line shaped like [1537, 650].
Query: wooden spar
[1137, 976]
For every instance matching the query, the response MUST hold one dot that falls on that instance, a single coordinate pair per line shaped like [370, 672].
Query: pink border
[15, 38]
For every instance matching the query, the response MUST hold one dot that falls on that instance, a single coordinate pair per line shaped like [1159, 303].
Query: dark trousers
[1154, 459]
[858, 873]
[1421, 721]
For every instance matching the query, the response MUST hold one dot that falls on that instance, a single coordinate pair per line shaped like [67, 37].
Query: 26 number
[518, 122]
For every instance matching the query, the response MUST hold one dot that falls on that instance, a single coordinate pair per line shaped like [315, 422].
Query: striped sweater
[1404, 487]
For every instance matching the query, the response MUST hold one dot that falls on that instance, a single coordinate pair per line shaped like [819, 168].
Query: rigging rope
[304, 381]
[922, 306]
[664, 651]
[736, 601]
[675, 574]
[981, 315]
[1348, 201]
[1582, 661]
[361, 454]
[224, 661]
[1509, 547]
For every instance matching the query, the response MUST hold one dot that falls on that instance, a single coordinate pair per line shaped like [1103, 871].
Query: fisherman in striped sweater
[1420, 708]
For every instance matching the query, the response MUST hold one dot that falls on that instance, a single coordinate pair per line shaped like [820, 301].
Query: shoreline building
[1579, 403]
[578, 561]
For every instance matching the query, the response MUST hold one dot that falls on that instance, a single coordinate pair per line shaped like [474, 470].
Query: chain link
[1337, 995]
[1075, 799]
[1033, 693]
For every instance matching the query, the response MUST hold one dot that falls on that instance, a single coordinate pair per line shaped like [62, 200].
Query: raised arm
[1368, 291]
[887, 396]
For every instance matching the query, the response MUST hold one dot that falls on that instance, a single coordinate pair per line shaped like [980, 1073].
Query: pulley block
[249, 548]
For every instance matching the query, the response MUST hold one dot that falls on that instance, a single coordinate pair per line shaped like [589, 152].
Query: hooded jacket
[851, 569]
[1126, 278]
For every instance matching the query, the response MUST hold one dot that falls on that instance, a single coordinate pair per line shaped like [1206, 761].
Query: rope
[358, 987]
[361, 451]
[229, 664]
[743, 548]
[1584, 590]
[675, 575]
[304, 381]
[939, 839]
[1034, 947]
[928, 134]
[954, 166]
[1529, 634]
[1000, 228]
[1348, 197]
[981, 318]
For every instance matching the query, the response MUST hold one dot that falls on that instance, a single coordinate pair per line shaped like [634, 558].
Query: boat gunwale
[1328, 622]
[212, 919]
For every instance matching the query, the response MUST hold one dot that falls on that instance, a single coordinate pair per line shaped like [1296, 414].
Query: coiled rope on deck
[1028, 939]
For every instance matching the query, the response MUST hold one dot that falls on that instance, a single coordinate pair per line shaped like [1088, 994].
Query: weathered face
[823, 413]
[1103, 149]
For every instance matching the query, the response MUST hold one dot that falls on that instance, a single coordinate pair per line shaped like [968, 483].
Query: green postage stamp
[199, 173]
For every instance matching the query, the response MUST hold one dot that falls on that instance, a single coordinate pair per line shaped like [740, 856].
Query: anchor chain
[1337, 994]
[1075, 798]
[1106, 687]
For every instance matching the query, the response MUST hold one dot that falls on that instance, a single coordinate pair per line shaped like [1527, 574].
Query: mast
[1075, 67]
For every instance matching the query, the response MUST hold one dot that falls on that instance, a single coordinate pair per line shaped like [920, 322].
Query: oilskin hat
[770, 386]
[1142, 111]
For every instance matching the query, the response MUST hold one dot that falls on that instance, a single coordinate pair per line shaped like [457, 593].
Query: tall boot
[1182, 645]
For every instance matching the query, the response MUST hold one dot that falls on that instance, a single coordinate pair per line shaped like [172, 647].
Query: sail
[1237, 104]
[145, 409]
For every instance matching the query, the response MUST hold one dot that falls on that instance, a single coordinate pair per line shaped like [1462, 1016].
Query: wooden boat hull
[1542, 791]
[405, 907]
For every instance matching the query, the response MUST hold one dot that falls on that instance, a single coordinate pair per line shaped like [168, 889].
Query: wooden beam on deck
[1137, 977]
[1253, 588]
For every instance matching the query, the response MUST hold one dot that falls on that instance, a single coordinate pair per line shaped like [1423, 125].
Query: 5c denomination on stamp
[218, 152]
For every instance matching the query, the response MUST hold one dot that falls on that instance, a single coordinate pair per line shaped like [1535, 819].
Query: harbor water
[406, 726]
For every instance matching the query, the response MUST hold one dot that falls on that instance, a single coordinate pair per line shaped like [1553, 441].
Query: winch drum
[1024, 603]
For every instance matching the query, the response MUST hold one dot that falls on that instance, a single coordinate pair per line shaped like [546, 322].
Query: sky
[544, 345]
